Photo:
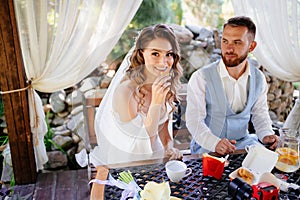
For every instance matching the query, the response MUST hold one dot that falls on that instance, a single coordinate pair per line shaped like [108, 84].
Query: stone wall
[280, 97]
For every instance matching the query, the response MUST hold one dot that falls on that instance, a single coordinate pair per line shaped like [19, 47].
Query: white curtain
[62, 42]
[278, 37]
[278, 34]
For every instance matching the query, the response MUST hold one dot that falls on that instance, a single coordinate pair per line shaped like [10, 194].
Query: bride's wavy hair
[137, 62]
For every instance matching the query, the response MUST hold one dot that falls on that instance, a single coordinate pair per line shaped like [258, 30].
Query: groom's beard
[234, 62]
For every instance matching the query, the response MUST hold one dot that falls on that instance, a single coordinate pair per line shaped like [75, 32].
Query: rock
[96, 93]
[89, 83]
[58, 121]
[81, 146]
[83, 134]
[7, 170]
[105, 81]
[57, 101]
[198, 44]
[65, 142]
[204, 34]
[75, 121]
[198, 59]
[280, 96]
[47, 107]
[270, 96]
[5, 131]
[56, 159]
[71, 152]
[195, 30]
[72, 160]
[63, 114]
[77, 110]
[59, 128]
[65, 132]
[184, 35]
[76, 139]
[277, 93]
[74, 98]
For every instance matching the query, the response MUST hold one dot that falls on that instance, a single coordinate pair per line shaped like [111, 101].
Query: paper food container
[258, 161]
[213, 166]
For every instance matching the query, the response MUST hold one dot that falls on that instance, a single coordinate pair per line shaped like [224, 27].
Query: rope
[13, 91]
[36, 118]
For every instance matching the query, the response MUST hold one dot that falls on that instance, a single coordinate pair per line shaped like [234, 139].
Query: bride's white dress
[125, 142]
[118, 141]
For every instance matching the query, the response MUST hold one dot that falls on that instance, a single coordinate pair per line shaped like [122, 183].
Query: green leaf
[126, 177]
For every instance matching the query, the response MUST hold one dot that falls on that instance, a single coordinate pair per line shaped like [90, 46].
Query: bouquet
[151, 191]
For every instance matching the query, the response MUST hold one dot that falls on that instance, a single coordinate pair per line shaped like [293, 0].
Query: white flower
[157, 191]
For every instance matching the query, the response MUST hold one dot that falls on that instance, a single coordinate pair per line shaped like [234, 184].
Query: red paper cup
[212, 166]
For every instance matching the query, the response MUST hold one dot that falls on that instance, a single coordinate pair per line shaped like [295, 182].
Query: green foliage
[3, 139]
[296, 85]
[48, 141]
[149, 13]
[157, 11]
[1, 107]
[12, 181]
[209, 11]
[49, 135]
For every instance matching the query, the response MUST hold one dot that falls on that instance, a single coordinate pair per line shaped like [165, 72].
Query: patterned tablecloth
[195, 186]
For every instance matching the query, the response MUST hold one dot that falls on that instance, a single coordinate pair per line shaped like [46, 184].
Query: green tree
[149, 13]
[208, 12]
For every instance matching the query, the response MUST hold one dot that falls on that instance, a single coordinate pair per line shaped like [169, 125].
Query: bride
[134, 120]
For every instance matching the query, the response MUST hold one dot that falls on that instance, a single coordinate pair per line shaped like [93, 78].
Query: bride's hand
[160, 89]
[173, 154]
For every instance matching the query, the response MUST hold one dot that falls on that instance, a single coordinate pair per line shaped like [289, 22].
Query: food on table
[288, 159]
[287, 155]
[246, 175]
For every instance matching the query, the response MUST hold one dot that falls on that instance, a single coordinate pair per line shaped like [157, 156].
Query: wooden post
[12, 77]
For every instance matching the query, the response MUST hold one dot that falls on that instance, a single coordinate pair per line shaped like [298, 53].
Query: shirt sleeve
[260, 113]
[196, 112]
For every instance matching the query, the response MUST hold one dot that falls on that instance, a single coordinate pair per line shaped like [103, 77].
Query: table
[195, 186]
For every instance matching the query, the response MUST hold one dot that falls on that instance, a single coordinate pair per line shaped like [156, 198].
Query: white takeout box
[258, 161]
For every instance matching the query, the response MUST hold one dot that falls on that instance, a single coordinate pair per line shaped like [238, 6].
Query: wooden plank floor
[64, 185]
[57, 185]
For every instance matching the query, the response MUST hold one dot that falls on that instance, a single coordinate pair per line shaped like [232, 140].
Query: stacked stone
[67, 121]
[280, 97]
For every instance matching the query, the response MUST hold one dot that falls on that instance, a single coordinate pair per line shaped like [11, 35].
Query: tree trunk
[12, 77]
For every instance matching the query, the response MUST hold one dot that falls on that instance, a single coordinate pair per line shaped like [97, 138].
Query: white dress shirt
[236, 93]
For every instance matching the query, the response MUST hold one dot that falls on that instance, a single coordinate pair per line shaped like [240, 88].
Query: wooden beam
[12, 77]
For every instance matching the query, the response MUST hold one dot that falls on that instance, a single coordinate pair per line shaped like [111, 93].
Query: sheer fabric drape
[278, 34]
[62, 42]
[278, 37]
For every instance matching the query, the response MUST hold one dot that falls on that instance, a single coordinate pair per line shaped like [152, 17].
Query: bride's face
[159, 58]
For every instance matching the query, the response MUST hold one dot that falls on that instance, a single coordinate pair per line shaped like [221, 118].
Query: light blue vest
[220, 118]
